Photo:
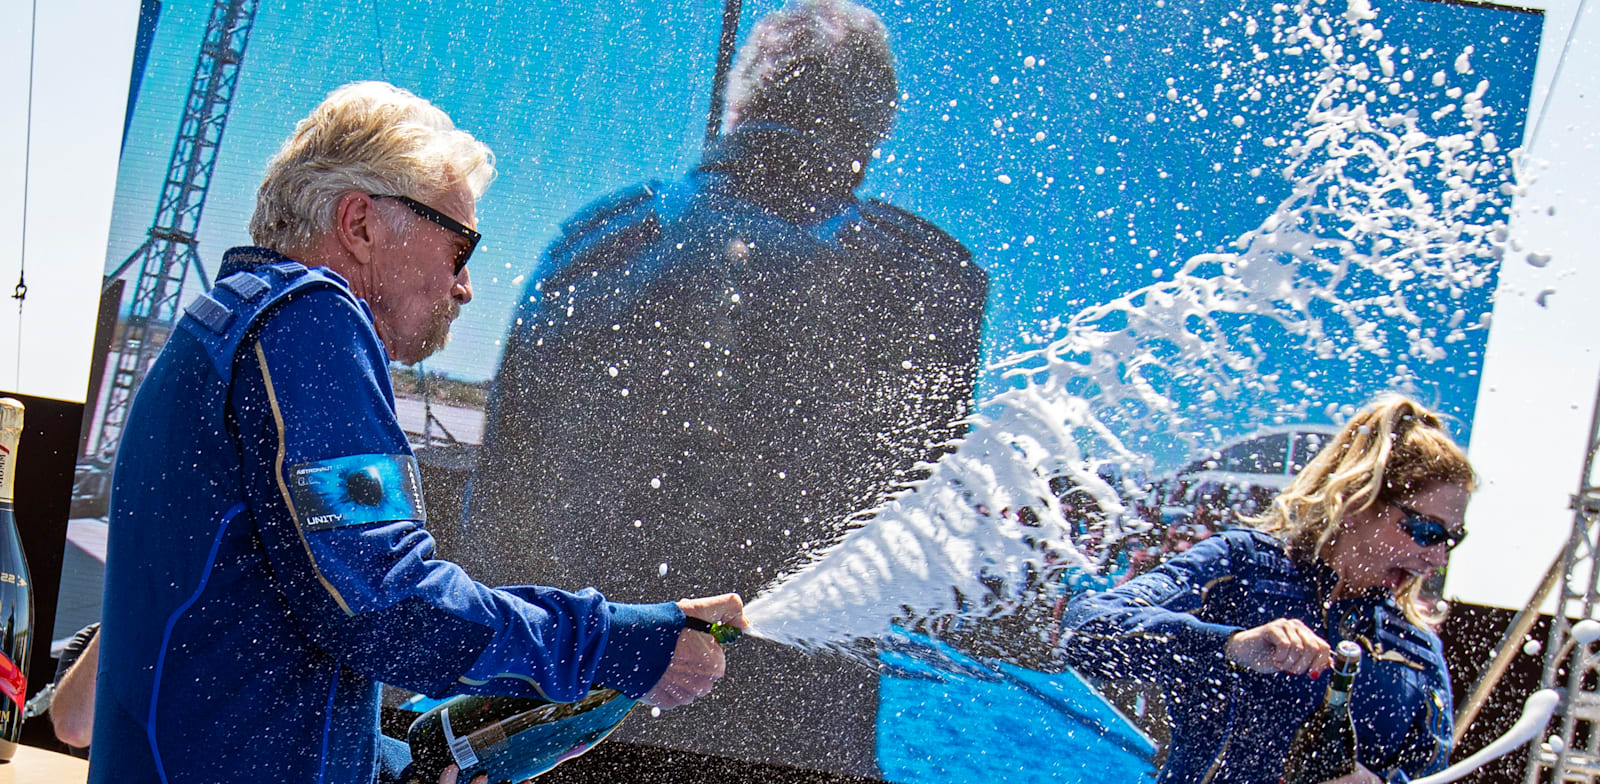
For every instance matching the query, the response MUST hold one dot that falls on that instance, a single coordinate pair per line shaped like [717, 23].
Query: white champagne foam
[1336, 266]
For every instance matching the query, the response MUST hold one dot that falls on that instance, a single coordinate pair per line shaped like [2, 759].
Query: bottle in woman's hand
[1325, 747]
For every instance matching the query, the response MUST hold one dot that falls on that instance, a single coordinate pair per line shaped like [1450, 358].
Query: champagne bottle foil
[10, 415]
[1347, 658]
[10, 434]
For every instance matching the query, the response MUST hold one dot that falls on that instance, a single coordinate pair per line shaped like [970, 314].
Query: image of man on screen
[706, 378]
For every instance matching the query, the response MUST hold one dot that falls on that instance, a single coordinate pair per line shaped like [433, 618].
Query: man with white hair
[268, 564]
[714, 374]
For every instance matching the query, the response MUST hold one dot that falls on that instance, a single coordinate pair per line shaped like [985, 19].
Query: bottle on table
[517, 738]
[16, 589]
[1325, 747]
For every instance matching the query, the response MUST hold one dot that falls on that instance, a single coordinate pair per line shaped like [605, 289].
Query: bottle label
[13, 681]
[460, 748]
[7, 464]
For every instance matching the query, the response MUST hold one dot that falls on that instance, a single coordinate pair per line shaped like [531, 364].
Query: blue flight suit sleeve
[1147, 629]
[313, 386]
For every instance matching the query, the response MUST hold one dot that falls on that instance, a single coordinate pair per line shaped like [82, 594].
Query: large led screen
[1118, 269]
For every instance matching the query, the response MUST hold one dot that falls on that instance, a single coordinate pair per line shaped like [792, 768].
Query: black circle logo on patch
[365, 486]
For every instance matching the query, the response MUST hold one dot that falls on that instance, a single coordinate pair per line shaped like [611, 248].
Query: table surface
[31, 765]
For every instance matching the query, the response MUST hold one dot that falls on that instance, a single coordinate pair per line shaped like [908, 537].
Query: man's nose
[462, 291]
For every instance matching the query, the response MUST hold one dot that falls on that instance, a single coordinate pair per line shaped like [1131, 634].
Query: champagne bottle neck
[1339, 689]
[1346, 663]
[724, 634]
[721, 632]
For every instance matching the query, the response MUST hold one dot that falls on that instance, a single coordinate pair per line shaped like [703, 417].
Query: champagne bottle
[16, 589]
[1325, 746]
[517, 738]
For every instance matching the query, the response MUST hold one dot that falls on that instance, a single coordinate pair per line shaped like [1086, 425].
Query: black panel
[45, 458]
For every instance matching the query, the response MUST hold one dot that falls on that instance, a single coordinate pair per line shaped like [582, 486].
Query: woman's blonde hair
[1389, 451]
[370, 137]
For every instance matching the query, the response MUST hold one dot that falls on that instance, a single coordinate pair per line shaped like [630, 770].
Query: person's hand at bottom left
[451, 773]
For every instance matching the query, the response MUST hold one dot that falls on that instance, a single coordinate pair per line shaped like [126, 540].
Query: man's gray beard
[439, 320]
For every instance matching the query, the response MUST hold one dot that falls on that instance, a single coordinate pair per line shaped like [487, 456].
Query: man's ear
[357, 225]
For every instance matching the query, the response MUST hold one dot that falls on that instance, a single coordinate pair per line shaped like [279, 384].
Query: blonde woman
[1237, 630]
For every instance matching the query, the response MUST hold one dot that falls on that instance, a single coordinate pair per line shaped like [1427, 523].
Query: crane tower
[170, 251]
[1572, 663]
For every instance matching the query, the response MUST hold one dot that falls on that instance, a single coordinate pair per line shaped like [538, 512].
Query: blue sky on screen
[1080, 154]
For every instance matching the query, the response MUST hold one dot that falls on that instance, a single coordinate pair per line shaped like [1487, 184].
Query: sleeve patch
[356, 490]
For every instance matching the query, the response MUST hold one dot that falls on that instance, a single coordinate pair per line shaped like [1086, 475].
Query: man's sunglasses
[1427, 530]
[450, 224]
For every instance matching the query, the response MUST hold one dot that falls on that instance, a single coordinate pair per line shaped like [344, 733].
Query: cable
[377, 37]
[20, 294]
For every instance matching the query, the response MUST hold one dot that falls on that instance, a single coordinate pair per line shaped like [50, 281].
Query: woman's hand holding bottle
[1283, 645]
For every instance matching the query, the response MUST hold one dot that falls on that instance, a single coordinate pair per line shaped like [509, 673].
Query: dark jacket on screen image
[703, 380]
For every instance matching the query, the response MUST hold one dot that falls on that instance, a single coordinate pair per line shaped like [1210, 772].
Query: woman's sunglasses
[1427, 530]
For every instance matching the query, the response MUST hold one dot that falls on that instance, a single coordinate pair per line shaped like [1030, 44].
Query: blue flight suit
[268, 564]
[1231, 725]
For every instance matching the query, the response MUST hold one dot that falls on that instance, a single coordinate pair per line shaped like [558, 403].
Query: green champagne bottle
[1325, 747]
[517, 738]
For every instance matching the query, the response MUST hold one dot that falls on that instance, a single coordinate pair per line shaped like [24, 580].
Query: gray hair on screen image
[817, 65]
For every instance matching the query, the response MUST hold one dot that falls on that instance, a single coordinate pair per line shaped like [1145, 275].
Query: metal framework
[170, 250]
[1571, 666]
